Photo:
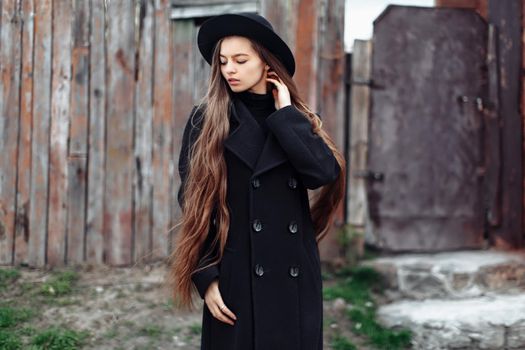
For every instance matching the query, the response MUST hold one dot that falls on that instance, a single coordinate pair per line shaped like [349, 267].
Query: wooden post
[10, 54]
[40, 135]
[360, 108]
[118, 210]
[59, 130]
[96, 138]
[143, 174]
[78, 146]
[163, 169]
[24, 140]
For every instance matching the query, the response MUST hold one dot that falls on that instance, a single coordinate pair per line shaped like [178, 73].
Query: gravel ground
[129, 308]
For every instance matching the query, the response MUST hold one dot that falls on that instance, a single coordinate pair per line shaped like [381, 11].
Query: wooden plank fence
[93, 99]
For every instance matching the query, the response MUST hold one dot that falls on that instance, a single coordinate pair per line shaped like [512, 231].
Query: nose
[230, 68]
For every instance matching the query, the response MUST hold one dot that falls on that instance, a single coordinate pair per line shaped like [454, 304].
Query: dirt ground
[129, 308]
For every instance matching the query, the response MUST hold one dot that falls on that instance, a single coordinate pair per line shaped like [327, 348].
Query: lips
[232, 80]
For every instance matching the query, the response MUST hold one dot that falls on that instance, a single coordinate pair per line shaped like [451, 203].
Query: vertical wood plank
[77, 159]
[282, 14]
[24, 141]
[118, 210]
[183, 35]
[10, 54]
[142, 176]
[201, 72]
[40, 134]
[523, 108]
[306, 44]
[330, 92]
[507, 17]
[60, 108]
[357, 201]
[96, 138]
[163, 168]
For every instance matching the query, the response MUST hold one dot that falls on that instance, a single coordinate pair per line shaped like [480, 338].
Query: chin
[237, 88]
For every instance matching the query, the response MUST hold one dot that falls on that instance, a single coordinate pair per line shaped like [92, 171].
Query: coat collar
[247, 141]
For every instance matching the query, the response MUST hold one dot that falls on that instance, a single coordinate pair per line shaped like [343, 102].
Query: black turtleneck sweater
[260, 105]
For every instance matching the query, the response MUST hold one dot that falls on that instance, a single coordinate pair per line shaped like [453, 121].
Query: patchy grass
[195, 329]
[22, 304]
[8, 277]
[341, 343]
[356, 286]
[61, 283]
[12, 316]
[56, 338]
[151, 330]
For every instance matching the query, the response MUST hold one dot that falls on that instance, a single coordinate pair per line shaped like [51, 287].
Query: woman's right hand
[214, 301]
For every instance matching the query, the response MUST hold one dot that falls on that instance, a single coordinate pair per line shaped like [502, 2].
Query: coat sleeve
[307, 151]
[202, 278]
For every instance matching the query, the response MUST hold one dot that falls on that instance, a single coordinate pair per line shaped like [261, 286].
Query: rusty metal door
[424, 173]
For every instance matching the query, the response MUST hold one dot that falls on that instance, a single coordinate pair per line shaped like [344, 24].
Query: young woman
[248, 237]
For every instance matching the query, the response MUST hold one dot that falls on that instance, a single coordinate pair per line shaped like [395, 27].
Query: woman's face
[239, 61]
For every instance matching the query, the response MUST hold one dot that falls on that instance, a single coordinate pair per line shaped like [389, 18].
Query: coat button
[256, 183]
[257, 225]
[292, 182]
[259, 271]
[292, 227]
[294, 271]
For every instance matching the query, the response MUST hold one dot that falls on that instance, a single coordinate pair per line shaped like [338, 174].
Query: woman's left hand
[282, 94]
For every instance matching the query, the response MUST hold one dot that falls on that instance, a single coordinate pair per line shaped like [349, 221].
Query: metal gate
[425, 152]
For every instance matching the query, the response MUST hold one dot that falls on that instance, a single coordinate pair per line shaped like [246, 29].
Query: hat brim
[221, 26]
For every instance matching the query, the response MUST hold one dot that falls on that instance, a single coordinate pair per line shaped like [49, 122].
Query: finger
[216, 312]
[221, 317]
[275, 74]
[223, 308]
[277, 83]
[228, 312]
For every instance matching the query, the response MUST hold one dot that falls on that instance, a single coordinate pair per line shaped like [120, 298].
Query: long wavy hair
[205, 187]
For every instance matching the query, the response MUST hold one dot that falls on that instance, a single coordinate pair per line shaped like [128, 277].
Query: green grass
[341, 343]
[16, 331]
[152, 330]
[11, 316]
[7, 277]
[9, 340]
[60, 283]
[195, 329]
[55, 338]
[355, 287]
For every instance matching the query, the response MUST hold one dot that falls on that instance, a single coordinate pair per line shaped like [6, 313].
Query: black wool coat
[269, 275]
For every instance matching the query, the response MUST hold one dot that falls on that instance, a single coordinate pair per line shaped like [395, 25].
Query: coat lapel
[248, 143]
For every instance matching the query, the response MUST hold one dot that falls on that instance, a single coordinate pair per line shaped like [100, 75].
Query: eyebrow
[238, 54]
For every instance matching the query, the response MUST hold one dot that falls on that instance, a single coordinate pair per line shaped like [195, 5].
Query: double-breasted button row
[257, 226]
[292, 182]
[293, 270]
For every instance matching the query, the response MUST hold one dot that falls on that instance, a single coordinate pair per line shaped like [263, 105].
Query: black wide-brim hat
[249, 25]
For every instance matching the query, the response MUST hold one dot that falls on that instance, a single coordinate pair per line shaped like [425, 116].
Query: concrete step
[487, 322]
[456, 275]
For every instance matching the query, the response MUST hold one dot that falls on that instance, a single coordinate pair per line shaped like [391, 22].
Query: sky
[359, 15]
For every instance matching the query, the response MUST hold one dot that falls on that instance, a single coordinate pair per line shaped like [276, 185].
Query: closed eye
[239, 62]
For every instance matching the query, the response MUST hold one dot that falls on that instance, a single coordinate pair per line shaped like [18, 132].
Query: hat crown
[248, 24]
[258, 18]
